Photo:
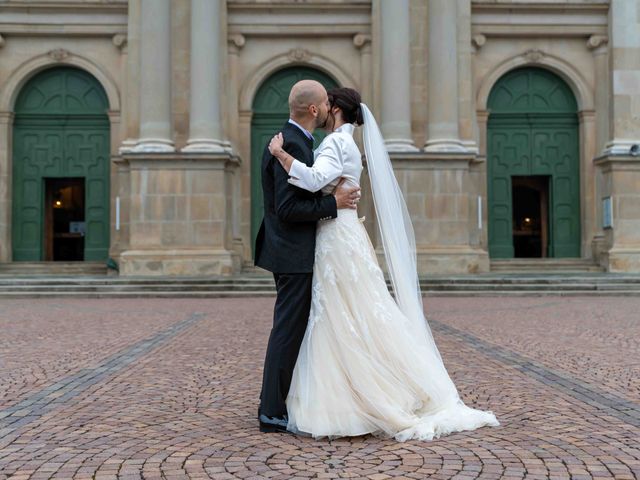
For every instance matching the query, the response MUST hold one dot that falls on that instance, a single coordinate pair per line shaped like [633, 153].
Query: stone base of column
[179, 262]
[204, 145]
[451, 260]
[151, 145]
[445, 145]
[622, 260]
[448, 260]
[127, 146]
[400, 145]
[622, 147]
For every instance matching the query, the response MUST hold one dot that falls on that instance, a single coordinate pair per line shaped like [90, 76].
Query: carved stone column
[395, 101]
[155, 78]
[205, 129]
[442, 127]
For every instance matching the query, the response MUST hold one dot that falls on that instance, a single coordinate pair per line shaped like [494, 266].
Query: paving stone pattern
[168, 389]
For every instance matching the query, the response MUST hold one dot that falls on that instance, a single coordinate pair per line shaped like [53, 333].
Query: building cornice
[75, 18]
[540, 18]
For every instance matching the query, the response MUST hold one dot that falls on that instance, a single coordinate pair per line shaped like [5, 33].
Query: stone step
[61, 286]
[545, 265]
[227, 294]
[552, 280]
[53, 268]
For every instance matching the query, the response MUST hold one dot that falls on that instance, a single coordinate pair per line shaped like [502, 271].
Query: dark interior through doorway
[530, 196]
[64, 219]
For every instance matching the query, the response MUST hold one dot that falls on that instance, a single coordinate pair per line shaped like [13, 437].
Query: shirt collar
[346, 127]
[304, 130]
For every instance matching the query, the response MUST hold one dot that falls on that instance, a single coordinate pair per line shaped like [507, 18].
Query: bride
[368, 362]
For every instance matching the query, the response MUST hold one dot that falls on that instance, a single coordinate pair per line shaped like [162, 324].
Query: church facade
[133, 130]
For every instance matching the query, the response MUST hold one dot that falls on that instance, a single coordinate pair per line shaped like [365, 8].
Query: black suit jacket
[286, 241]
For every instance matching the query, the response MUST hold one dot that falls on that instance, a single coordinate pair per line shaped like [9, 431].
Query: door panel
[532, 131]
[61, 130]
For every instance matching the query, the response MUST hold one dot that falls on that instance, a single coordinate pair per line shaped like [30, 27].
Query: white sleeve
[328, 166]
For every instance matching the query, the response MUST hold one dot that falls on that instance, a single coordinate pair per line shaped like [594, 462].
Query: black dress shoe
[273, 424]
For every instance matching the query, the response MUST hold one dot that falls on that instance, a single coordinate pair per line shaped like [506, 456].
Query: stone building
[131, 130]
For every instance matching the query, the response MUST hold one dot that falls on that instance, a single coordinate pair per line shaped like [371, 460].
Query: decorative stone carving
[596, 41]
[478, 41]
[237, 39]
[360, 40]
[299, 55]
[120, 40]
[534, 55]
[58, 54]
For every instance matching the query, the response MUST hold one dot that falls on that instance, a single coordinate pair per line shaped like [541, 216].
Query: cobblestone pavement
[167, 389]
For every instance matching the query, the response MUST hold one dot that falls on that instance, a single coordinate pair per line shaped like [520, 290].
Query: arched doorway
[270, 112]
[60, 200]
[533, 167]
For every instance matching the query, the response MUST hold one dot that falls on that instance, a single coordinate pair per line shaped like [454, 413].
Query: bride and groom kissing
[345, 357]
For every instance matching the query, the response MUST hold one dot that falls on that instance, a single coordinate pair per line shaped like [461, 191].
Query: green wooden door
[533, 130]
[61, 130]
[270, 112]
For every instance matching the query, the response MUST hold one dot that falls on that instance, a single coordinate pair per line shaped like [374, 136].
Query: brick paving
[167, 389]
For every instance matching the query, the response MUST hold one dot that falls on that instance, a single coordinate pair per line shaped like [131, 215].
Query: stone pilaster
[619, 166]
[624, 64]
[156, 133]
[130, 79]
[205, 128]
[395, 114]
[6, 120]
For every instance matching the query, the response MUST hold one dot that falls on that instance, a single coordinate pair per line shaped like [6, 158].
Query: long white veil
[395, 227]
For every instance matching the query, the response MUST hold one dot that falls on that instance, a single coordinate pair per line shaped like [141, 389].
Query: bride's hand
[275, 145]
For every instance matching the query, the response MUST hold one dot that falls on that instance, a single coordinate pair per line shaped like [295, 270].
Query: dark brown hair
[348, 100]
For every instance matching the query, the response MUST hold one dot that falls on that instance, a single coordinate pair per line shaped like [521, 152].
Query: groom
[285, 245]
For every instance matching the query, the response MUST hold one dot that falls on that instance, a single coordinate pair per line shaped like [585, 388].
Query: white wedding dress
[364, 366]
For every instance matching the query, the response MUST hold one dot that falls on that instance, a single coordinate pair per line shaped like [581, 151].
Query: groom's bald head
[305, 94]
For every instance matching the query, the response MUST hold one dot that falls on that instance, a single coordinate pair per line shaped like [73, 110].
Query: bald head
[303, 94]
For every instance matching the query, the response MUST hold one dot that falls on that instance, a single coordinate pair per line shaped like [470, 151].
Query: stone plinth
[180, 215]
[621, 181]
[443, 211]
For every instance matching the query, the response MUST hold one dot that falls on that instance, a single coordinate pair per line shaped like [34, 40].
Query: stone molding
[581, 89]
[10, 89]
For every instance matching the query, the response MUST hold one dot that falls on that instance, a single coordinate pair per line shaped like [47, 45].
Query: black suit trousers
[291, 314]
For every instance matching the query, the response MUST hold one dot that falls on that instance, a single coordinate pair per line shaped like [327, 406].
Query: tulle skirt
[363, 367]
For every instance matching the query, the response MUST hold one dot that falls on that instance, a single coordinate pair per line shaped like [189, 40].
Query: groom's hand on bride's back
[346, 196]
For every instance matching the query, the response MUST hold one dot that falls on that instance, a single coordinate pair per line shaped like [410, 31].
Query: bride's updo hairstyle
[348, 100]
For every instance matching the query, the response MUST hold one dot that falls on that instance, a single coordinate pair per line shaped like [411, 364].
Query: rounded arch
[63, 91]
[531, 90]
[20, 76]
[567, 72]
[256, 78]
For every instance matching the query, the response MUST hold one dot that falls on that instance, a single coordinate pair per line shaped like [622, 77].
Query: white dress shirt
[337, 156]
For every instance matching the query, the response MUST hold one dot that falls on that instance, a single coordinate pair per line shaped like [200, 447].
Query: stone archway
[533, 166]
[270, 112]
[60, 168]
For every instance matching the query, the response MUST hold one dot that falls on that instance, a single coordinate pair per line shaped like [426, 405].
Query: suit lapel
[302, 138]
